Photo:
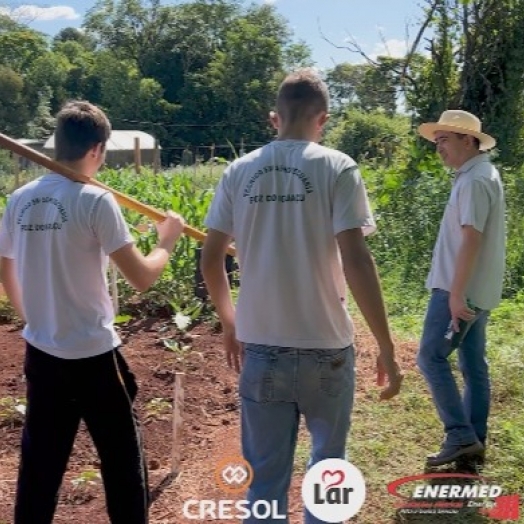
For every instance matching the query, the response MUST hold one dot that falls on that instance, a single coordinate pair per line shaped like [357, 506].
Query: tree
[130, 101]
[20, 48]
[72, 34]
[47, 78]
[42, 124]
[492, 70]
[475, 64]
[7, 24]
[367, 86]
[13, 109]
[81, 81]
[166, 42]
[237, 89]
[342, 82]
[369, 135]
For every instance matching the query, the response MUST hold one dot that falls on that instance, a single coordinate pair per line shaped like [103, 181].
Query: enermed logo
[454, 493]
[333, 490]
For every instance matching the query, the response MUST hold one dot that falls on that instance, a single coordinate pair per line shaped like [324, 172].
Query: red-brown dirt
[211, 422]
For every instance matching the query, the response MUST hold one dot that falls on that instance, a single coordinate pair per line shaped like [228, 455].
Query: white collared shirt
[477, 200]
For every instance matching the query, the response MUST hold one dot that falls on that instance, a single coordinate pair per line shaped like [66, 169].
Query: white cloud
[393, 48]
[35, 13]
[271, 2]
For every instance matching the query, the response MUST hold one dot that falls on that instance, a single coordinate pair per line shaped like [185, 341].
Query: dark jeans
[60, 392]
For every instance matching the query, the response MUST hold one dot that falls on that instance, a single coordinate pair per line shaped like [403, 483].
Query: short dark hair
[80, 126]
[476, 141]
[302, 95]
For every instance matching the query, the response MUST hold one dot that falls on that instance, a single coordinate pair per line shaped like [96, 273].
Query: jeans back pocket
[257, 375]
[336, 370]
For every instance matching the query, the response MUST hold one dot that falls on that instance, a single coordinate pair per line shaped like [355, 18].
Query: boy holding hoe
[55, 240]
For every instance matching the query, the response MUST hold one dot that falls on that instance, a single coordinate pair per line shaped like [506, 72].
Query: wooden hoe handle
[123, 199]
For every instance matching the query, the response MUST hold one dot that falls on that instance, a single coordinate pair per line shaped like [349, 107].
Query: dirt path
[211, 430]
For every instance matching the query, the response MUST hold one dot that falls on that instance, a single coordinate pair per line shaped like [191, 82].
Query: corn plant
[185, 193]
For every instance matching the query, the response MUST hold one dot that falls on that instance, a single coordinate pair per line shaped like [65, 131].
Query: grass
[390, 440]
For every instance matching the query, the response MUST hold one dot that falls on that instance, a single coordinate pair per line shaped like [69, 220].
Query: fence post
[178, 409]
[242, 151]
[156, 157]
[138, 160]
[16, 167]
[195, 161]
[212, 158]
[114, 287]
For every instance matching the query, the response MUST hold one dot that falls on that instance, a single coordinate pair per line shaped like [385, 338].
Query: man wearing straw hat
[465, 281]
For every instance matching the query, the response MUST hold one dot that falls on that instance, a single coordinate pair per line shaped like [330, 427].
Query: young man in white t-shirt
[467, 271]
[55, 240]
[298, 213]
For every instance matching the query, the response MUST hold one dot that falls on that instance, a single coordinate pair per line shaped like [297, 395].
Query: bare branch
[354, 46]
[384, 41]
[409, 56]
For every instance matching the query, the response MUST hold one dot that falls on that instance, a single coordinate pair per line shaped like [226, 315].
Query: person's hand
[234, 350]
[388, 367]
[459, 311]
[170, 229]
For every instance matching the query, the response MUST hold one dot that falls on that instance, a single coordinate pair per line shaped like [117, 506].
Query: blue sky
[370, 22]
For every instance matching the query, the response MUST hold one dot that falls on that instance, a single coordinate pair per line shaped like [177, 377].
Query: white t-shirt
[284, 204]
[476, 199]
[60, 234]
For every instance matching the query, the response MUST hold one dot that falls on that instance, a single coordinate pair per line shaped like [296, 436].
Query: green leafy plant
[186, 194]
[157, 408]
[12, 411]
[89, 477]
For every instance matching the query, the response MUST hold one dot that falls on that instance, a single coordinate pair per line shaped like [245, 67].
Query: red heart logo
[332, 475]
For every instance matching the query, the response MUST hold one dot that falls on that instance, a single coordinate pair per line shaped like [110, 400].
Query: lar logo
[333, 490]
[234, 474]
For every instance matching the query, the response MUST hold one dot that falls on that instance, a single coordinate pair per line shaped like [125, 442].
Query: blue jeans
[465, 419]
[277, 385]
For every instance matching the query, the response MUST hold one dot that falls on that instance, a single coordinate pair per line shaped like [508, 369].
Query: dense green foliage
[206, 72]
[369, 135]
[199, 73]
[409, 198]
[181, 192]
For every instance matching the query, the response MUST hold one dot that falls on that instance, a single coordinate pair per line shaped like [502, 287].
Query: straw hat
[457, 121]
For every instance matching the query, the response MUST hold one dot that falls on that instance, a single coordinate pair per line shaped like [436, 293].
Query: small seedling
[89, 477]
[122, 319]
[176, 347]
[157, 408]
[12, 411]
